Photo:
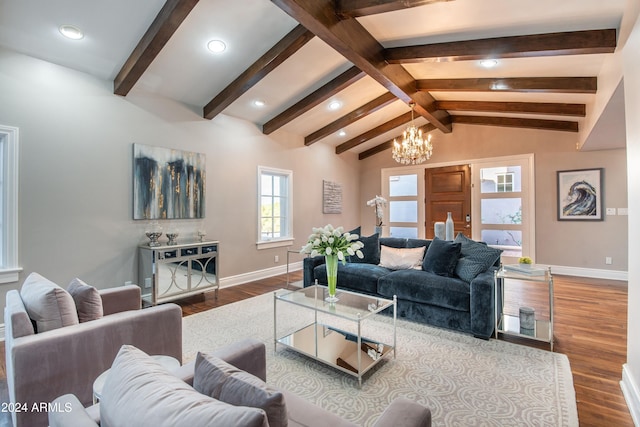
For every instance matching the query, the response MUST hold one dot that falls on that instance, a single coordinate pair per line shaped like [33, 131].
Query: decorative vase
[153, 233]
[449, 227]
[438, 230]
[331, 263]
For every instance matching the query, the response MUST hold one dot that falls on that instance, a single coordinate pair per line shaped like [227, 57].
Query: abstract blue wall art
[167, 183]
[580, 195]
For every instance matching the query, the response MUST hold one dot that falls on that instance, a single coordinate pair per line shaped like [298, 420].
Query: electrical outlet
[608, 260]
[128, 282]
[276, 258]
[147, 282]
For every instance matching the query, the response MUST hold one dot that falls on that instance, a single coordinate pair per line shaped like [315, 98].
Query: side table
[168, 362]
[508, 324]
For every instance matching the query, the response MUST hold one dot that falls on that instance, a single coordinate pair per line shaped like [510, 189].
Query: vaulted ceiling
[368, 57]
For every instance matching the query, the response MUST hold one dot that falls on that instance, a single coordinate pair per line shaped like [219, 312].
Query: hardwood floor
[590, 328]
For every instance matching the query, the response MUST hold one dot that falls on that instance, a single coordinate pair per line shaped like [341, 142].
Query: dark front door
[448, 189]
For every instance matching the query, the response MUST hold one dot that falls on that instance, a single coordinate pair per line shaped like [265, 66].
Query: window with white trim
[9, 268]
[275, 207]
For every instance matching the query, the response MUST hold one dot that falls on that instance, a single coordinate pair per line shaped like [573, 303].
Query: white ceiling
[188, 73]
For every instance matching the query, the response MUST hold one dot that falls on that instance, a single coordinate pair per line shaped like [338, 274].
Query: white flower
[379, 203]
[333, 241]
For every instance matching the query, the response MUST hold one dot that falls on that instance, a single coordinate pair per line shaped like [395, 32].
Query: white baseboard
[590, 272]
[631, 394]
[258, 275]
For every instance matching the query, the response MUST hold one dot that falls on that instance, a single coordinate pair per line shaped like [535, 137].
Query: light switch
[623, 211]
[611, 211]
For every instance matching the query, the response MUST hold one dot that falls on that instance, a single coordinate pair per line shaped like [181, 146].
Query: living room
[76, 195]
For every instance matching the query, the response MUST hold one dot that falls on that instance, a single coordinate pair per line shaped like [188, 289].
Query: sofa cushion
[418, 243]
[394, 242]
[48, 305]
[422, 287]
[354, 276]
[371, 250]
[441, 257]
[87, 299]
[139, 392]
[401, 258]
[475, 258]
[216, 378]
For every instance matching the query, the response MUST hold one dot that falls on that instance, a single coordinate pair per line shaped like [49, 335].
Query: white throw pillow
[401, 258]
[48, 305]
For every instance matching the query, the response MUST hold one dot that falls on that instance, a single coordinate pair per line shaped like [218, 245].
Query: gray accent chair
[250, 356]
[40, 367]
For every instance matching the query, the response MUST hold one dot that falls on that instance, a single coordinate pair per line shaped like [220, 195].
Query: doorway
[448, 189]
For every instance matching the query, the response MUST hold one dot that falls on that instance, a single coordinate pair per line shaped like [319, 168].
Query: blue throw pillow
[441, 257]
[371, 250]
[475, 258]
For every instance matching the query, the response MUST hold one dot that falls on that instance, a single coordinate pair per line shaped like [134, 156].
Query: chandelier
[413, 149]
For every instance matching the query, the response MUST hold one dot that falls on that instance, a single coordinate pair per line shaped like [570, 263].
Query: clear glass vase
[331, 263]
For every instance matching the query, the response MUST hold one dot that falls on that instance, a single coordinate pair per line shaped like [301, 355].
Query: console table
[171, 272]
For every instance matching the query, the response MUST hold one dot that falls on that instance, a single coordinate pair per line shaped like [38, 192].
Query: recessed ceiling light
[216, 46]
[335, 105]
[342, 133]
[489, 63]
[71, 32]
[259, 103]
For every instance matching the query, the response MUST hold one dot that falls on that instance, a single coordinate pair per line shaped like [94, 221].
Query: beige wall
[75, 194]
[570, 244]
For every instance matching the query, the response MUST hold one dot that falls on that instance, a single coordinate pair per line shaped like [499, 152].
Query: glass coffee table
[338, 334]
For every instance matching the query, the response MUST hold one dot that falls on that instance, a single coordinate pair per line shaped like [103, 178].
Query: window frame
[287, 239]
[9, 266]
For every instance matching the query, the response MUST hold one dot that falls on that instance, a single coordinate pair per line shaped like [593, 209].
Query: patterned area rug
[465, 381]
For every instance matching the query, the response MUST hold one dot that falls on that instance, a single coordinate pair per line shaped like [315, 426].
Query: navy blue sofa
[438, 300]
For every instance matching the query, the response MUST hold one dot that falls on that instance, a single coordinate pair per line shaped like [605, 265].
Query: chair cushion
[140, 392]
[48, 305]
[87, 299]
[216, 378]
[475, 258]
[441, 257]
[401, 258]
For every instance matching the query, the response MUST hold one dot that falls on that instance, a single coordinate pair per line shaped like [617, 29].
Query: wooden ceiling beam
[389, 144]
[344, 80]
[540, 124]
[552, 108]
[517, 84]
[355, 8]
[157, 35]
[349, 38]
[275, 56]
[355, 115]
[536, 45]
[370, 134]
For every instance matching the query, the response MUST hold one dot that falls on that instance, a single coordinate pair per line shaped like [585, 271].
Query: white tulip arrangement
[333, 241]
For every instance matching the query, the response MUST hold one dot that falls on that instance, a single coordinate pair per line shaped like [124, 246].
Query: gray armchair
[40, 367]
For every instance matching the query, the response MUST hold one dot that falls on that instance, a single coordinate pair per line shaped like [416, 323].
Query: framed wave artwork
[167, 183]
[580, 195]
